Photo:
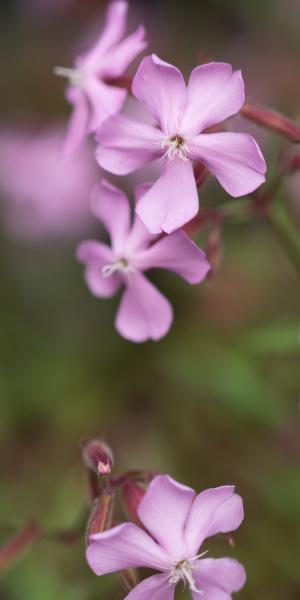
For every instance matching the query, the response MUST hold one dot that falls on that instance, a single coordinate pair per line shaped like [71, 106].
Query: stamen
[176, 147]
[121, 265]
[184, 572]
[74, 75]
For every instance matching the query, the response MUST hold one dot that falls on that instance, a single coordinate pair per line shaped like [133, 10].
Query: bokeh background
[216, 401]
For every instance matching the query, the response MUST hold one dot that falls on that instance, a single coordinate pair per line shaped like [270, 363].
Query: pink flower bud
[132, 494]
[273, 120]
[97, 456]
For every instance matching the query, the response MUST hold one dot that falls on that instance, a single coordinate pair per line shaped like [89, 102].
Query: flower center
[75, 76]
[183, 571]
[176, 147]
[121, 265]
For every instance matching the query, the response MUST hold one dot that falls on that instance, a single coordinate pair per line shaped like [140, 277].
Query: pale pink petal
[144, 313]
[139, 236]
[172, 201]
[111, 206]
[162, 88]
[234, 158]
[95, 256]
[215, 93]
[176, 252]
[138, 239]
[140, 190]
[124, 547]
[78, 122]
[164, 511]
[216, 510]
[104, 101]
[156, 587]
[218, 579]
[113, 31]
[126, 145]
[120, 57]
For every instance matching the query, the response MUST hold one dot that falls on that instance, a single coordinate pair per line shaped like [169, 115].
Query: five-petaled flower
[92, 98]
[214, 93]
[176, 523]
[144, 313]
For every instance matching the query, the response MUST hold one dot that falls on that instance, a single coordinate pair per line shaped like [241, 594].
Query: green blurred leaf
[278, 338]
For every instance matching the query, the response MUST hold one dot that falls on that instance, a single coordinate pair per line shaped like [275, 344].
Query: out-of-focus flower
[92, 98]
[176, 523]
[45, 196]
[214, 92]
[144, 313]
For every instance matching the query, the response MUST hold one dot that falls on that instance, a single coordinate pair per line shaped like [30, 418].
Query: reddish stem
[17, 544]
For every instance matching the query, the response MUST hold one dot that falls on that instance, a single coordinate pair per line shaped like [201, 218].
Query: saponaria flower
[44, 196]
[176, 522]
[92, 98]
[182, 114]
[144, 313]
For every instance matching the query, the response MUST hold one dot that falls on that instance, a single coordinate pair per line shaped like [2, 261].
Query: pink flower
[144, 313]
[93, 99]
[45, 196]
[182, 113]
[176, 523]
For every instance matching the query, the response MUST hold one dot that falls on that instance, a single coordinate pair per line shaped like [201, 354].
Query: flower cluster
[180, 137]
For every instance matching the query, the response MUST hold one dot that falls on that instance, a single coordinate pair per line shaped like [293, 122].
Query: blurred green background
[216, 401]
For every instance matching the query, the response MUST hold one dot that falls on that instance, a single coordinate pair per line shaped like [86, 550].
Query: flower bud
[273, 120]
[101, 515]
[97, 456]
[132, 494]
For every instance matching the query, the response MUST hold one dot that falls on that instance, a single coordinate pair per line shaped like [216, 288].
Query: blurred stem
[285, 231]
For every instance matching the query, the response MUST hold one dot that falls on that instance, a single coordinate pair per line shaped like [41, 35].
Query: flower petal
[161, 87]
[111, 206]
[140, 190]
[95, 256]
[164, 511]
[178, 253]
[172, 201]
[78, 122]
[216, 510]
[144, 313]
[104, 100]
[138, 239]
[139, 236]
[156, 587]
[126, 145]
[124, 547]
[218, 579]
[113, 31]
[234, 158]
[120, 57]
[215, 93]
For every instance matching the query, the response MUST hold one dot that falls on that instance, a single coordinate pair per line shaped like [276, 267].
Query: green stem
[286, 231]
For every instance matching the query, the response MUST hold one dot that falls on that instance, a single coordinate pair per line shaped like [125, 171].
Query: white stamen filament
[176, 147]
[74, 75]
[119, 266]
[183, 571]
